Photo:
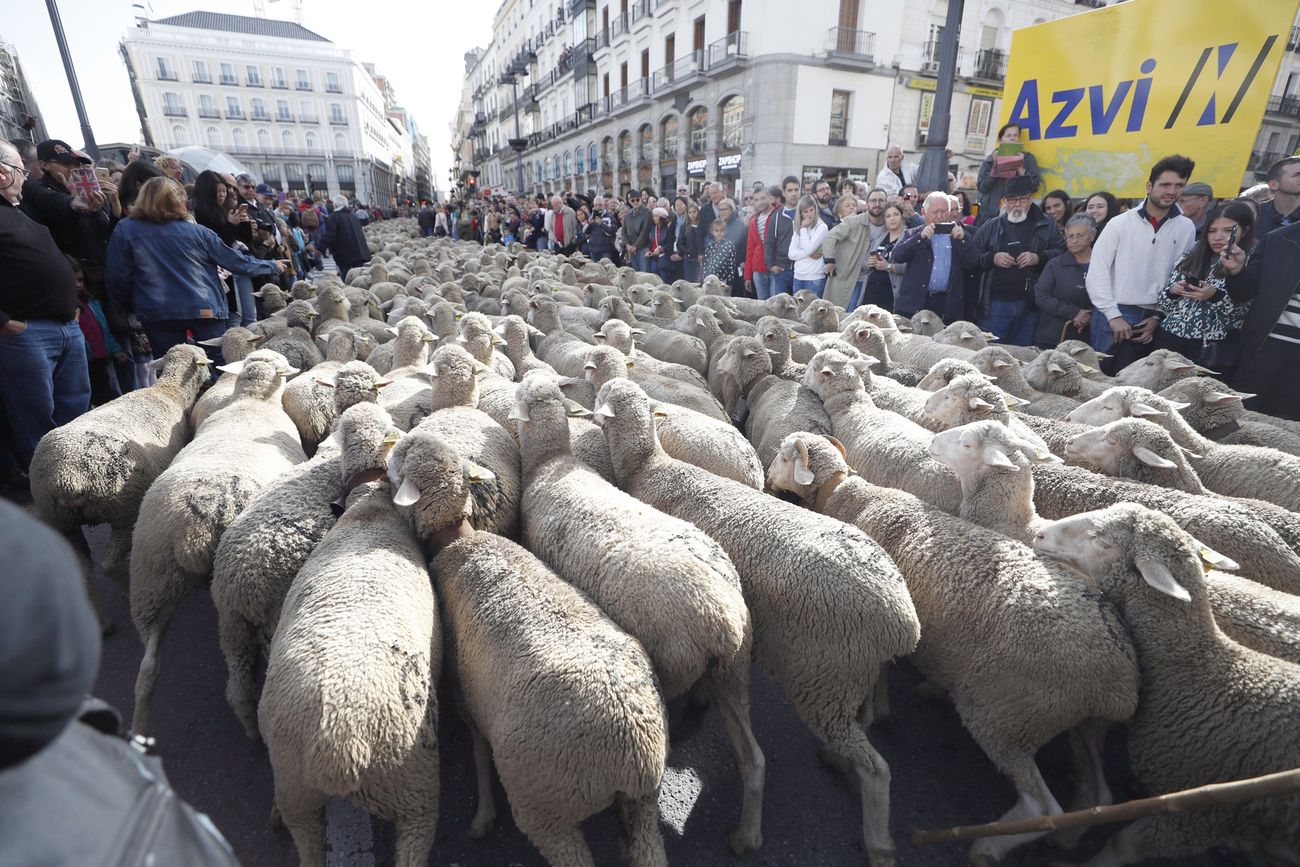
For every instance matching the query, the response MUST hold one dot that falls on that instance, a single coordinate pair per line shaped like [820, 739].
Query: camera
[879, 251]
[943, 228]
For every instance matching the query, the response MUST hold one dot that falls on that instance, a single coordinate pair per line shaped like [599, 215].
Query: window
[180, 138]
[286, 139]
[305, 112]
[698, 124]
[165, 70]
[332, 82]
[977, 124]
[278, 79]
[668, 137]
[591, 156]
[172, 105]
[240, 139]
[232, 107]
[304, 83]
[214, 138]
[646, 142]
[271, 173]
[282, 110]
[316, 173]
[733, 119]
[208, 106]
[345, 174]
[336, 114]
[568, 164]
[293, 173]
[340, 142]
[253, 76]
[625, 148]
[578, 159]
[839, 132]
[228, 74]
[259, 110]
[201, 75]
[312, 143]
[264, 139]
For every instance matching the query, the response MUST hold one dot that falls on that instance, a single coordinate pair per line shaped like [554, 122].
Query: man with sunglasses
[637, 229]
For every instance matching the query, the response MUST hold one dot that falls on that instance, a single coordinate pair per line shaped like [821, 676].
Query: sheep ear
[157, 364]
[802, 475]
[1178, 364]
[1213, 558]
[660, 411]
[999, 364]
[533, 329]
[391, 330]
[381, 383]
[519, 413]
[1158, 576]
[989, 335]
[235, 367]
[1143, 410]
[1225, 397]
[600, 335]
[326, 380]
[1151, 459]
[604, 411]
[497, 341]
[980, 403]
[1203, 370]
[211, 341]
[997, 458]
[430, 370]
[407, 495]
[1053, 367]
[476, 473]
[258, 338]
[1087, 368]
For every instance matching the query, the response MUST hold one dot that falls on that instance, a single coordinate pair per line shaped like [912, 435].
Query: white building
[1279, 134]
[286, 102]
[608, 94]
[19, 116]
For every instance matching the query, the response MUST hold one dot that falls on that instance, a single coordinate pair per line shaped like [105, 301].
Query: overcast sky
[418, 44]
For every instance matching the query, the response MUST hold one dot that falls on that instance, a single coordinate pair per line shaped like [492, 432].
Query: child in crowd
[719, 255]
[102, 348]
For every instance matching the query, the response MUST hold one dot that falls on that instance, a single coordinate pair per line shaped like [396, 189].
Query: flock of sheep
[631, 491]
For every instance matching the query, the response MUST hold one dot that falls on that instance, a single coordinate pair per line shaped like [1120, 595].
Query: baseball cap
[265, 190]
[53, 150]
[1200, 188]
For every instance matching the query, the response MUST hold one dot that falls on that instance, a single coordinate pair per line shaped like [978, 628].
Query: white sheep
[236, 345]
[1136, 449]
[515, 332]
[661, 579]
[829, 607]
[567, 739]
[997, 362]
[295, 343]
[1210, 711]
[350, 705]
[1026, 649]
[1216, 412]
[239, 450]
[309, 400]
[621, 336]
[1055, 372]
[96, 468]
[604, 362]
[770, 407]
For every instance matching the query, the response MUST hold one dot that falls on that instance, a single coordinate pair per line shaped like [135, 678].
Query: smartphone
[1194, 282]
[943, 228]
[83, 182]
[1014, 248]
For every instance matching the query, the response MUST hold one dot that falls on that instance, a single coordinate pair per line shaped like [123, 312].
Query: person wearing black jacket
[213, 208]
[690, 243]
[344, 240]
[776, 249]
[44, 376]
[1013, 250]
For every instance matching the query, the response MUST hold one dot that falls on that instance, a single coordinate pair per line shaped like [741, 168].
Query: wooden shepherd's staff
[1213, 795]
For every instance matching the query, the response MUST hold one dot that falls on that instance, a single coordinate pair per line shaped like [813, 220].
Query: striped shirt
[1288, 324]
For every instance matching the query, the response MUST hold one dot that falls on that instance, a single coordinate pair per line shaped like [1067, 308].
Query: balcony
[338, 121]
[202, 79]
[642, 12]
[602, 39]
[619, 26]
[234, 114]
[1260, 162]
[166, 75]
[283, 117]
[253, 82]
[1293, 41]
[1285, 105]
[279, 84]
[175, 111]
[302, 85]
[260, 115]
[682, 72]
[308, 118]
[333, 88]
[209, 113]
[728, 51]
[576, 7]
[851, 49]
[990, 65]
[930, 58]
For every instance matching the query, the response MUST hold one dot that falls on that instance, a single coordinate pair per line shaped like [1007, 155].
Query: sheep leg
[302, 810]
[117, 556]
[240, 647]
[151, 634]
[486, 814]
[1146, 838]
[876, 708]
[846, 740]
[641, 820]
[558, 843]
[1091, 790]
[1035, 800]
[733, 704]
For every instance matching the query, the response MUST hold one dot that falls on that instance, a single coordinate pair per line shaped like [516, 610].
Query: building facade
[1279, 134]
[289, 104]
[19, 116]
[609, 94]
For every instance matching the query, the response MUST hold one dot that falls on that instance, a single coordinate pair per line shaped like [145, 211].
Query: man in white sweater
[1132, 260]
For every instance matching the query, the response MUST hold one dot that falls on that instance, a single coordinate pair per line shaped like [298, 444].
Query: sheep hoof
[981, 859]
[480, 826]
[831, 759]
[881, 857]
[741, 843]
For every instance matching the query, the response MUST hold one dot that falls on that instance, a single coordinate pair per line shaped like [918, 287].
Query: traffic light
[472, 182]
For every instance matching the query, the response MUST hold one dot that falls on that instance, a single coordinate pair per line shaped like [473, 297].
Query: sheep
[781, 306]
[350, 702]
[408, 348]
[887, 393]
[605, 362]
[1055, 372]
[621, 336]
[673, 346]
[480, 340]
[561, 349]
[476, 437]
[442, 317]
[910, 349]
[332, 308]
[265, 546]
[776, 336]
[308, 399]
[567, 740]
[926, 323]
[1215, 412]
[353, 383]
[1135, 449]
[515, 331]
[945, 371]
[820, 317]
[971, 397]
[1197, 685]
[997, 362]
[1234, 471]
[884, 447]
[1081, 352]
[772, 407]
[1159, 370]
[239, 450]
[664, 581]
[1026, 649]
[236, 345]
[296, 343]
[964, 334]
[96, 468]
[868, 340]
[829, 608]
[272, 298]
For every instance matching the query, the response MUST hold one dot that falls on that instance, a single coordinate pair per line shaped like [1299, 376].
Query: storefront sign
[729, 164]
[695, 168]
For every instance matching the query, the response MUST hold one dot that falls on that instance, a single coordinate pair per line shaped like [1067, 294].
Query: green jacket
[845, 245]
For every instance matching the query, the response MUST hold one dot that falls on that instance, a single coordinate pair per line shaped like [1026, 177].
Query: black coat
[668, 237]
[1045, 240]
[344, 240]
[1270, 278]
[1060, 292]
[776, 248]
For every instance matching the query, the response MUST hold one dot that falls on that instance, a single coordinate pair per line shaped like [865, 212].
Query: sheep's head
[184, 366]
[996, 362]
[1117, 448]
[804, 462]
[514, 331]
[1158, 370]
[965, 334]
[820, 316]
[343, 344]
[977, 448]
[353, 383]
[879, 317]
[592, 294]
[1120, 401]
[514, 301]
[367, 435]
[300, 314]
[1129, 550]
[272, 297]
[664, 304]
[261, 374]
[454, 376]
[235, 344]
[301, 290]
[613, 307]
[803, 298]
[333, 297]
[1081, 352]
[969, 397]
[540, 406]
[1054, 372]
[440, 487]
[783, 306]
[603, 363]
[618, 334]
[776, 336]
[1200, 398]
[926, 323]
[443, 316]
[543, 313]
[831, 372]
[944, 371]
[624, 410]
[866, 338]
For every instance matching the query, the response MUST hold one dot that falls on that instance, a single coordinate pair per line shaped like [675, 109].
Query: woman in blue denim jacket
[162, 268]
[1197, 318]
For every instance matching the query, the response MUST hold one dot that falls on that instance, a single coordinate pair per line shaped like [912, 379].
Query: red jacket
[754, 263]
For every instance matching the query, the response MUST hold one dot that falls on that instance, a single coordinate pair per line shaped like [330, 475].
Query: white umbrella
[202, 159]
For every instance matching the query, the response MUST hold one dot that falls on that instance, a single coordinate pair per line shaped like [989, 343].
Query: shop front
[729, 174]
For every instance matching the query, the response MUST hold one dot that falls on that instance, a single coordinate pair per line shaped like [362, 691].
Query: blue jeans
[815, 286]
[1012, 321]
[663, 267]
[691, 269]
[44, 381]
[762, 285]
[639, 261]
[247, 304]
[1101, 337]
[783, 282]
[166, 333]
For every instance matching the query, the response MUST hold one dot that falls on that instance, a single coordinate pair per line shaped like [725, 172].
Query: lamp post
[518, 144]
[933, 174]
[57, 23]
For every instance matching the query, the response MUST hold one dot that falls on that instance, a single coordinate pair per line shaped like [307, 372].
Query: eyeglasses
[26, 174]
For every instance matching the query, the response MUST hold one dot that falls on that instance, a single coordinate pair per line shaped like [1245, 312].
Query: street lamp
[57, 23]
[518, 144]
[933, 173]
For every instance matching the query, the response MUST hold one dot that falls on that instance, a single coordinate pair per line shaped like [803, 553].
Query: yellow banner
[1102, 95]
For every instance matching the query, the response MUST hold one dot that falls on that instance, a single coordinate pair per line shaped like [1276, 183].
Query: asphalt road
[811, 816]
